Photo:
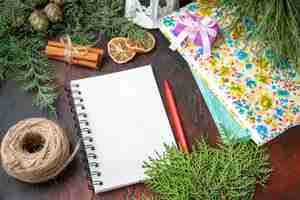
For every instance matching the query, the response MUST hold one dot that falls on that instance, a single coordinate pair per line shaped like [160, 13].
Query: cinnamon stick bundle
[79, 55]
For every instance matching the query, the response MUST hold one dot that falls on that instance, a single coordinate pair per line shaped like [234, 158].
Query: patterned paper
[263, 99]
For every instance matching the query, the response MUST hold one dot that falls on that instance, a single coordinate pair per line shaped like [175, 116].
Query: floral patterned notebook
[264, 100]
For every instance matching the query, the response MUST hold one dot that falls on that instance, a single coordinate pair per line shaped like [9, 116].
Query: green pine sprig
[22, 61]
[217, 173]
[20, 47]
[277, 25]
[34, 3]
[134, 32]
[21, 58]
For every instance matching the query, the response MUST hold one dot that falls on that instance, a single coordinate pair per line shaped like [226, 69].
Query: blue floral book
[247, 97]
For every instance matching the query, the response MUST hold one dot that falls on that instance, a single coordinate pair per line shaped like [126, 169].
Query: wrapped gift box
[246, 95]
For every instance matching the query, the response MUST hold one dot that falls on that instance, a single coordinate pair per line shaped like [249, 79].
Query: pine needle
[20, 46]
[226, 172]
[277, 26]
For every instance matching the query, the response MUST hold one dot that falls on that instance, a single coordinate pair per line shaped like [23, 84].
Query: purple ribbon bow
[201, 30]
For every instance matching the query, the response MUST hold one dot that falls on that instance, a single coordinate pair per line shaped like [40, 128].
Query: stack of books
[247, 97]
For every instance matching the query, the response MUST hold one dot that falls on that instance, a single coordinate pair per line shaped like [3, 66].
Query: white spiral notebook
[123, 121]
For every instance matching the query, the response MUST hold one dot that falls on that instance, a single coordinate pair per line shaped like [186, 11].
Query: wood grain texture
[184, 2]
[15, 105]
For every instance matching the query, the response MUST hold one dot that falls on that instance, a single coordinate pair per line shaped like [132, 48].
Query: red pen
[180, 135]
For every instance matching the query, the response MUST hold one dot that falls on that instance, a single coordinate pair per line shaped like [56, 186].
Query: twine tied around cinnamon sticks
[36, 150]
[71, 53]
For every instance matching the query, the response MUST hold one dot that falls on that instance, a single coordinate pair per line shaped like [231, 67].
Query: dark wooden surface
[15, 105]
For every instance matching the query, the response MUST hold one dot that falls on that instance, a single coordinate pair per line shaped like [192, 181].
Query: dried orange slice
[118, 50]
[144, 46]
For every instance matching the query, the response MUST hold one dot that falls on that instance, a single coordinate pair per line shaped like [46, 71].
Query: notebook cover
[127, 122]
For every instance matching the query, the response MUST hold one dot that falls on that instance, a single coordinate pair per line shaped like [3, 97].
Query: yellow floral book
[256, 100]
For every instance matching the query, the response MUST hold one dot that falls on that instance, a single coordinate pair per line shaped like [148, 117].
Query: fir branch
[20, 46]
[21, 60]
[3, 25]
[227, 172]
[35, 3]
[277, 26]
[133, 32]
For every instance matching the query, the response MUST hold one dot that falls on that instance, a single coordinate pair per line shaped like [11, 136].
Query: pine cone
[39, 21]
[54, 13]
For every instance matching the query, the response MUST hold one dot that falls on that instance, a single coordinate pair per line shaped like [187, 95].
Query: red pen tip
[167, 85]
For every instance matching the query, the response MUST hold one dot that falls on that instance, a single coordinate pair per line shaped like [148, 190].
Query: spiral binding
[86, 136]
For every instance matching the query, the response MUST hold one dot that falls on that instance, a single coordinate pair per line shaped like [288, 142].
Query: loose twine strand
[42, 165]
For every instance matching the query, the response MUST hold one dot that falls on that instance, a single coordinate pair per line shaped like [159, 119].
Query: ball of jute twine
[36, 150]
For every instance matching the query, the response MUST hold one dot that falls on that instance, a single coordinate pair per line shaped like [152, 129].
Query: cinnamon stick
[62, 45]
[75, 61]
[60, 52]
